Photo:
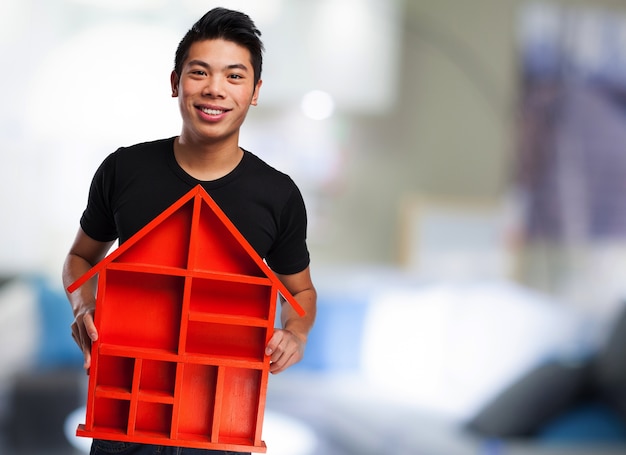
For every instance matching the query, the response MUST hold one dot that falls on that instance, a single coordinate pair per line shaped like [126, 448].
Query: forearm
[83, 255]
[73, 268]
[300, 326]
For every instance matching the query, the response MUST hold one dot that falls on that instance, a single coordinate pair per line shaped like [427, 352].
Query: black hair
[229, 25]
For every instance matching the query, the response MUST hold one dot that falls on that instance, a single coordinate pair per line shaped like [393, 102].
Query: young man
[217, 76]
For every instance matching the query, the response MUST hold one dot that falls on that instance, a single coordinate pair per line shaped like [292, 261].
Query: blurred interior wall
[446, 131]
[452, 135]
[448, 135]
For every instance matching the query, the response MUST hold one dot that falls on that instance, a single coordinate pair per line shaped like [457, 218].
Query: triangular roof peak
[193, 233]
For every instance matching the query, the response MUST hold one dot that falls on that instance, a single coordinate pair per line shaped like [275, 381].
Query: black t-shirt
[135, 184]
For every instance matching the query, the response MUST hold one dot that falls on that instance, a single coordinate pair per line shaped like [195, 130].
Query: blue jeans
[101, 447]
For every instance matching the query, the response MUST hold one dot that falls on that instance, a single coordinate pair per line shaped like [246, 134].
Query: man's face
[214, 90]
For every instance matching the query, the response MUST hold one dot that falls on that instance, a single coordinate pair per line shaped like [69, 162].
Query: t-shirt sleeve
[290, 254]
[98, 220]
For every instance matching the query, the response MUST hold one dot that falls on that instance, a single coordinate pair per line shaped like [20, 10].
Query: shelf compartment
[241, 389]
[111, 415]
[141, 310]
[228, 298]
[218, 246]
[167, 244]
[197, 400]
[154, 419]
[157, 379]
[115, 374]
[237, 342]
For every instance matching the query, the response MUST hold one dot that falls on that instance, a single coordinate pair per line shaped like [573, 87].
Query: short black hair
[229, 25]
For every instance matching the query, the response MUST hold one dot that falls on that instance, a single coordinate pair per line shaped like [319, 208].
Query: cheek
[185, 98]
[188, 89]
[184, 106]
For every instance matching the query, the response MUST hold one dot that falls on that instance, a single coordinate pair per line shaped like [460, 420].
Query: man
[217, 76]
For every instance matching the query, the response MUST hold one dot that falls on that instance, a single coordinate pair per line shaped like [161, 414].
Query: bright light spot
[72, 421]
[318, 105]
[107, 85]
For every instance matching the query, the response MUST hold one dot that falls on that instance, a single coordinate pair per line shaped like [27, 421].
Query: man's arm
[286, 347]
[83, 255]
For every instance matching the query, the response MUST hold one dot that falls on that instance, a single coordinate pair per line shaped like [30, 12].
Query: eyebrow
[204, 64]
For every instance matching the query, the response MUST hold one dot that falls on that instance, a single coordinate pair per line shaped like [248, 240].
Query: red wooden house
[184, 310]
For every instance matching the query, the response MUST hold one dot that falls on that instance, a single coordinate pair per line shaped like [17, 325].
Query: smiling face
[215, 89]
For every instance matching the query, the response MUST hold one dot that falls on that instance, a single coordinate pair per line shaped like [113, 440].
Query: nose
[214, 87]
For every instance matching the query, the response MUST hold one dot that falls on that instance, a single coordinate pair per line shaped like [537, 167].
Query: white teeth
[212, 111]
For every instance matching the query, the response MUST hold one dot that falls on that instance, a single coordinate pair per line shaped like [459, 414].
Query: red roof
[168, 244]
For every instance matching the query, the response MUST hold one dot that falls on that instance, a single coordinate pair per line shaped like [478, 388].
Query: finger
[282, 358]
[77, 335]
[85, 345]
[87, 356]
[273, 345]
[284, 362]
[82, 339]
[90, 327]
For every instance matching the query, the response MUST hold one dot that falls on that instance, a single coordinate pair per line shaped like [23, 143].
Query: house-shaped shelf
[184, 310]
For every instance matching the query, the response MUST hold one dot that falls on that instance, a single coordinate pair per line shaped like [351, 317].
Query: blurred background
[463, 165]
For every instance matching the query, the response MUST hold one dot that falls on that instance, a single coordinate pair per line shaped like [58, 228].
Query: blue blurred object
[587, 423]
[335, 342]
[492, 446]
[56, 348]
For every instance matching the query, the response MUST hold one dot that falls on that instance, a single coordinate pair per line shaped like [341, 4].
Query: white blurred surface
[449, 347]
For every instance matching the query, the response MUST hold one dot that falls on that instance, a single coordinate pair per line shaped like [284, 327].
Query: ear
[174, 84]
[255, 95]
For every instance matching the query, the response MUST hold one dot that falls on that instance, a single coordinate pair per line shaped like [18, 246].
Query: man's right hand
[84, 333]
[83, 255]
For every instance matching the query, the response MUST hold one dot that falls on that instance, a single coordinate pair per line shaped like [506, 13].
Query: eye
[236, 76]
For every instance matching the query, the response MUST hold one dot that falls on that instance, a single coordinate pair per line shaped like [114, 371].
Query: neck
[206, 161]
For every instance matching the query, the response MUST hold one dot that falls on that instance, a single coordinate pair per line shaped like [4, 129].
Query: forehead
[219, 52]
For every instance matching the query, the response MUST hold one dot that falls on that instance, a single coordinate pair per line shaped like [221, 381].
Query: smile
[212, 111]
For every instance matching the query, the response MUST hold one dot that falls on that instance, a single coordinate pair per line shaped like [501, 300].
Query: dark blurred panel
[39, 403]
